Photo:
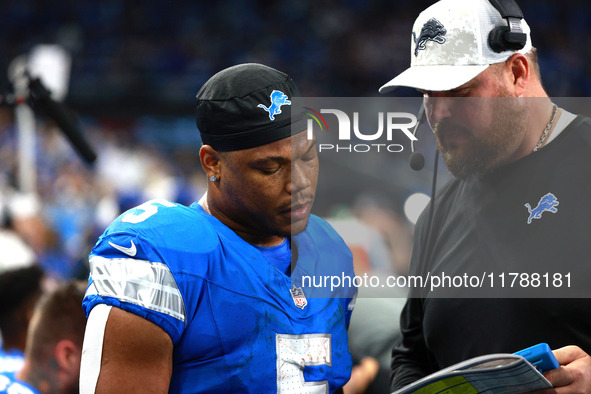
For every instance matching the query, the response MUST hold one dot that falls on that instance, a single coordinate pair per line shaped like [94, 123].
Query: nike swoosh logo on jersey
[131, 251]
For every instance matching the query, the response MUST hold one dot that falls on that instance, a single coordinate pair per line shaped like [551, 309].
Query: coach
[518, 203]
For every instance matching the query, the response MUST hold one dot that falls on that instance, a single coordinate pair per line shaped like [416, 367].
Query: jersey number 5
[294, 352]
[147, 209]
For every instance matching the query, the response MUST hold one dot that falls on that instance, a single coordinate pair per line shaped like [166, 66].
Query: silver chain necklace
[547, 129]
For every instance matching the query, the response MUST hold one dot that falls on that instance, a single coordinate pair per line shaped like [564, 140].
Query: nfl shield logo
[299, 299]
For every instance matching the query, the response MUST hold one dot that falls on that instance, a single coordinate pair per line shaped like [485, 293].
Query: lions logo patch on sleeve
[432, 31]
[278, 98]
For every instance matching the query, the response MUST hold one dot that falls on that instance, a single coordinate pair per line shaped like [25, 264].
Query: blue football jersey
[238, 324]
[10, 385]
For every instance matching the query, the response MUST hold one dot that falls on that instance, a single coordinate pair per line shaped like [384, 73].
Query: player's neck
[250, 235]
[253, 239]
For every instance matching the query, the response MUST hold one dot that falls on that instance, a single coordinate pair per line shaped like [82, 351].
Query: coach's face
[267, 192]
[477, 125]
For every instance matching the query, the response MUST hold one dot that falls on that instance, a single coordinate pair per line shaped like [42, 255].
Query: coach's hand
[574, 373]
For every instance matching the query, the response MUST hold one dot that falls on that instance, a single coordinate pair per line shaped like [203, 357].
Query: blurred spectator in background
[19, 291]
[20, 288]
[54, 345]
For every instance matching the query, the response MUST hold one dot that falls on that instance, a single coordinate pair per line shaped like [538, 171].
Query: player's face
[477, 126]
[269, 190]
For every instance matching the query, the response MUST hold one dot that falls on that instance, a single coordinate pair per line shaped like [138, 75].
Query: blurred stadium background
[137, 65]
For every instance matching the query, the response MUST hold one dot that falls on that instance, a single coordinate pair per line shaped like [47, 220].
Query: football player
[208, 298]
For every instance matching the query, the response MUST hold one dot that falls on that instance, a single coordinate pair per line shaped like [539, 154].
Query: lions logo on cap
[432, 31]
[278, 98]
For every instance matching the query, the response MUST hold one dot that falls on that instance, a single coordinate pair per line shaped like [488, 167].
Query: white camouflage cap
[449, 45]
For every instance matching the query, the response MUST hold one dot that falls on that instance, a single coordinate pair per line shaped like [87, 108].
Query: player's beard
[481, 154]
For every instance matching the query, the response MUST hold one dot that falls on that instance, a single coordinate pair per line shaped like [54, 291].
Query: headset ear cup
[496, 39]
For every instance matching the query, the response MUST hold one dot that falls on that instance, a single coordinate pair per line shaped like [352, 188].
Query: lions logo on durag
[278, 98]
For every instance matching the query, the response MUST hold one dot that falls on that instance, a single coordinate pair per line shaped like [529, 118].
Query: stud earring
[213, 179]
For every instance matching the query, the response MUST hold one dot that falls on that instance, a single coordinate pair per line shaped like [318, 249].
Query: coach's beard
[466, 159]
[468, 155]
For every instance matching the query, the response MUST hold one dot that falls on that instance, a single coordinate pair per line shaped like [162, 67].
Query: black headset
[512, 37]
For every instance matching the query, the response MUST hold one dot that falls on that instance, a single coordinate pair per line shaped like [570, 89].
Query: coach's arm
[133, 356]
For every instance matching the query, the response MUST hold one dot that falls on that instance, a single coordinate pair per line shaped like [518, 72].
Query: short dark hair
[17, 288]
[532, 56]
[58, 316]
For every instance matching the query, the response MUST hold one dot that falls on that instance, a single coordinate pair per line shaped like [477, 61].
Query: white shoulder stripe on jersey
[141, 282]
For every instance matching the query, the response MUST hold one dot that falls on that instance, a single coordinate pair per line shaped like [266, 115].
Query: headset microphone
[417, 160]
